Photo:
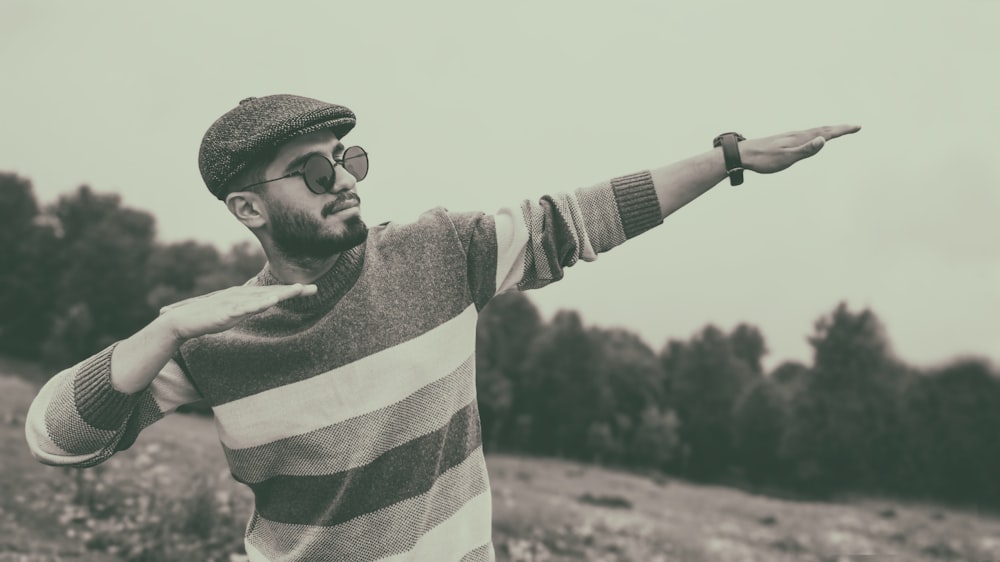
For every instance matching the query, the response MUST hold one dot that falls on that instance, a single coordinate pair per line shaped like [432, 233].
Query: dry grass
[538, 501]
[170, 497]
[172, 491]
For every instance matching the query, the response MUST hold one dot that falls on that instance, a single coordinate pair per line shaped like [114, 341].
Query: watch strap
[731, 154]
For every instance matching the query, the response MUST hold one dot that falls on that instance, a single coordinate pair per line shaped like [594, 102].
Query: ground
[173, 487]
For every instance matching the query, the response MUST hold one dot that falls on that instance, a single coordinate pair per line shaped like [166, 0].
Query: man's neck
[299, 270]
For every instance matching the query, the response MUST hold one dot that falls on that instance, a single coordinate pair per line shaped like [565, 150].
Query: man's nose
[343, 180]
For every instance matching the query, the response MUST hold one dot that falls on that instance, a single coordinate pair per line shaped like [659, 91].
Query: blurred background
[800, 368]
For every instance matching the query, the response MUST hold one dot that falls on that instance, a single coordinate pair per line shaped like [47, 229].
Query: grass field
[173, 487]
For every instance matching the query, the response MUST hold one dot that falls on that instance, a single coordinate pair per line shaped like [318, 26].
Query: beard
[299, 236]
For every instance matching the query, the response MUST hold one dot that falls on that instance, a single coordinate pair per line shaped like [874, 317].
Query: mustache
[339, 203]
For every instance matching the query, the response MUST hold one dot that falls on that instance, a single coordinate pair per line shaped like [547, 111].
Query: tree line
[84, 271]
[855, 420]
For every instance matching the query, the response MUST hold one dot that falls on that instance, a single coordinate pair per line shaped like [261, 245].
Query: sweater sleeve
[79, 419]
[528, 247]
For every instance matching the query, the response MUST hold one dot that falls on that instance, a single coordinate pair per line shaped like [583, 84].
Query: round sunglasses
[320, 173]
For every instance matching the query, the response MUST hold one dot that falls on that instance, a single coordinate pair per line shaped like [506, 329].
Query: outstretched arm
[528, 246]
[87, 412]
[681, 182]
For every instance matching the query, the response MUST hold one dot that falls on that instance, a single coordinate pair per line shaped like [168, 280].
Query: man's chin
[355, 229]
[353, 234]
[356, 238]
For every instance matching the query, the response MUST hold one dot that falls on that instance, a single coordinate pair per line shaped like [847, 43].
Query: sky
[475, 107]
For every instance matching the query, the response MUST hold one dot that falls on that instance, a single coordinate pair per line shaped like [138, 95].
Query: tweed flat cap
[258, 125]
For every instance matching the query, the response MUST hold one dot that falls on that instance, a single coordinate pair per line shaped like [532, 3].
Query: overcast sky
[474, 108]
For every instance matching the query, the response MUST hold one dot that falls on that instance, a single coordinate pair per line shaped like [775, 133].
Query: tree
[173, 271]
[760, 417]
[953, 415]
[789, 374]
[707, 379]
[629, 369]
[748, 345]
[602, 445]
[631, 386]
[26, 275]
[101, 261]
[560, 389]
[505, 330]
[242, 262]
[72, 337]
[655, 443]
[845, 430]
[495, 395]
[670, 360]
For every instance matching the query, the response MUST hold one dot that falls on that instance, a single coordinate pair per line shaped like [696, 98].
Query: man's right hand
[138, 359]
[218, 311]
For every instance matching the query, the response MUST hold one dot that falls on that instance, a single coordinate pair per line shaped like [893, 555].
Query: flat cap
[256, 126]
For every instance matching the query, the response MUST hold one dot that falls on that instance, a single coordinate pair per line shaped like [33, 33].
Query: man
[342, 376]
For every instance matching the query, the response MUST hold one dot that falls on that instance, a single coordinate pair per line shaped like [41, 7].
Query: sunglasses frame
[333, 169]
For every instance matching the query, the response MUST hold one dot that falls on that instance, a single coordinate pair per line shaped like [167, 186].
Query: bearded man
[342, 376]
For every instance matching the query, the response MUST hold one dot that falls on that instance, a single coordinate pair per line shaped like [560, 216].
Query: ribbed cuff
[637, 203]
[97, 401]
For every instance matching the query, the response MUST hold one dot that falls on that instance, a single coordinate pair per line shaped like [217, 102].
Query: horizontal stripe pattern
[453, 539]
[483, 553]
[511, 236]
[406, 471]
[71, 437]
[254, 555]
[478, 236]
[352, 413]
[349, 391]
[172, 389]
[600, 213]
[168, 391]
[360, 440]
[41, 436]
[539, 267]
[99, 403]
[413, 278]
[62, 413]
[460, 493]
[145, 413]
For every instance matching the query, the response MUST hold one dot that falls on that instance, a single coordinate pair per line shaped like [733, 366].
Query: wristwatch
[731, 153]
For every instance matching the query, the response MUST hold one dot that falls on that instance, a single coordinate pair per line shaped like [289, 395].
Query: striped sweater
[352, 413]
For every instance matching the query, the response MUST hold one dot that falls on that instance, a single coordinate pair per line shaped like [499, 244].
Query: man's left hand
[775, 153]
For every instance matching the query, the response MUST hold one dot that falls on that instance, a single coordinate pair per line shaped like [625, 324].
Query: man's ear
[248, 208]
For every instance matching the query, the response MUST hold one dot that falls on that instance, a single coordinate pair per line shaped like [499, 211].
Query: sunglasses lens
[318, 173]
[356, 162]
